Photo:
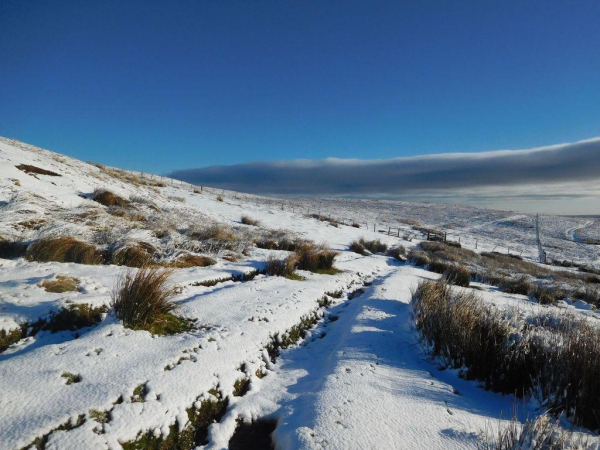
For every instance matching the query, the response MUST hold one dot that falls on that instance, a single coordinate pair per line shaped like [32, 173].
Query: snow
[358, 380]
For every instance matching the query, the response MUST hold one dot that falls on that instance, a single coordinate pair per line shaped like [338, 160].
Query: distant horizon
[164, 87]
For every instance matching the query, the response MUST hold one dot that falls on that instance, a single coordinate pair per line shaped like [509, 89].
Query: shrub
[64, 249]
[142, 301]
[355, 225]
[250, 221]
[108, 198]
[62, 283]
[315, 258]
[418, 257]
[189, 260]
[398, 252]
[457, 275]
[220, 198]
[12, 249]
[281, 267]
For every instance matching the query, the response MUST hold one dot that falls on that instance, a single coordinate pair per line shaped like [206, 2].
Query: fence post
[475, 243]
[374, 227]
[389, 230]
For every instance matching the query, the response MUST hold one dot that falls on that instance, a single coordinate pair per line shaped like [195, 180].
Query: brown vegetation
[33, 170]
[108, 198]
[64, 249]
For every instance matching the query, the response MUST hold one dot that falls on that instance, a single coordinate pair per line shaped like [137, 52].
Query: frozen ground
[358, 380]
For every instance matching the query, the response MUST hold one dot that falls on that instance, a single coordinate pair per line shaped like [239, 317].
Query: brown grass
[108, 198]
[246, 220]
[64, 249]
[281, 267]
[189, 260]
[554, 357]
[220, 198]
[374, 246]
[72, 318]
[418, 257]
[29, 169]
[142, 301]
[314, 258]
[398, 252]
[62, 283]
[133, 256]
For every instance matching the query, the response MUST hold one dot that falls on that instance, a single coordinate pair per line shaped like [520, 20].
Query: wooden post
[389, 230]
[398, 231]
[459, 239]
[475, 243]
[374, 228]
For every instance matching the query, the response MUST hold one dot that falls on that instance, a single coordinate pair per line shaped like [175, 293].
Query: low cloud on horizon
[561, 179]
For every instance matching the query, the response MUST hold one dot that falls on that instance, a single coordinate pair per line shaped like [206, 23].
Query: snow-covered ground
[358, 380]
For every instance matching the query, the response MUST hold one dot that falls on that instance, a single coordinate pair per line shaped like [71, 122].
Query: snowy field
[358, 379]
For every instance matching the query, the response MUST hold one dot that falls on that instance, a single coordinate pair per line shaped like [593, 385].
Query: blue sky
[159, 86]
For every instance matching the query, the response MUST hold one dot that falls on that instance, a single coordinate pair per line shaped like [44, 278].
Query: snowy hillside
[317, 359]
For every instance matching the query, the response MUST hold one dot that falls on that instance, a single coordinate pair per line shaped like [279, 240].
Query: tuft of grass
[246, 220]
[12, 249]
[72, 318]
[398, 252]
[281, 267]
[374, 246]
[220, 198]
[358, 247]
[138, 255]
[457, 275]
[108, 198]
[540, 433]
[355, 225]
[189, 260]
[8, 338]
[142, 301]
[241, 387]
[418, 257]
[543, 295]
[315, 258]
[62, 283]
[71, 378]
[64, 249]
[335, 294]
[253, 435]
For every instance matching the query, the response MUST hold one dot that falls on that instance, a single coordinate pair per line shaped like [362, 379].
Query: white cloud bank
[559, 179]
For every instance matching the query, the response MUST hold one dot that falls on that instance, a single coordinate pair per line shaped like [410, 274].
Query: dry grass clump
[398, 252]
[138, 255]
[220, 198]
[276, 240]
[62, 283]
[189, 260]
[358, 247]
[142, 300]
[374, 246]
[281, 267]
[457, 275]
[246, 220]
[418, 257]
[29, 169]
[315, 258]
[211, 231]
[464, 332]
[108, 198]
[555, 358]
[541, 433]
[7, 338]
[64, 249]
[12, 249]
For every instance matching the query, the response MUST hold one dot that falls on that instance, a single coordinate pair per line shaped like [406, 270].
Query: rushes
[281, 267]
[555, 358]
[315, 258]
[142, 300]
[374, 246]
[64, 249]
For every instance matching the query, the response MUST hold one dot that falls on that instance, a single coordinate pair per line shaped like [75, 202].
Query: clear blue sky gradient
[157, 86]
